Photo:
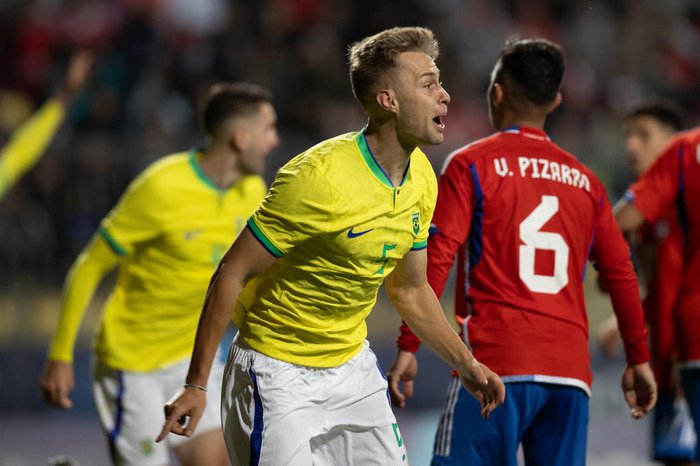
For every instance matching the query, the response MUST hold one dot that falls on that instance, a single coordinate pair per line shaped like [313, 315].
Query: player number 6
[534, 239]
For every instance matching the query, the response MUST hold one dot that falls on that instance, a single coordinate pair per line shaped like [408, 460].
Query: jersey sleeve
[451, 221]
[449, 229]
[28, 143]
[137, 217]
[297, 207]
[611, 257]
[656, 191]
[90, 267]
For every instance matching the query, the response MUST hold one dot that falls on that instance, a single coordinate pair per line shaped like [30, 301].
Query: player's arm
[30, 140]
[450, 226]
[611, 255]
[245, 259]
[654, 193]
[628, 217]
[95, 261]
[408, 289]
[441, 252]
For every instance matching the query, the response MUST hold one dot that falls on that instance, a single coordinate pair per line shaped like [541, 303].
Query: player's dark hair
[532, 68]
[665, 112]
[227, 100]
[372, 56]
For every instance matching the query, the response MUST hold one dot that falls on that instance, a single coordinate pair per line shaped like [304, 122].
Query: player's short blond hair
[373, 56]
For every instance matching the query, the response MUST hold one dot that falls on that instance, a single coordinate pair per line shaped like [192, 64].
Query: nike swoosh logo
[355, 234]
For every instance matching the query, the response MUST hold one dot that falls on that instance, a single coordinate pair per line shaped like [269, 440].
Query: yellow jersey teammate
[301, 384]
[29, 141]
[166, 235]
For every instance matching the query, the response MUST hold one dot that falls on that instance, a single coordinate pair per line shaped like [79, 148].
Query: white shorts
[130, 407]
[276, 413]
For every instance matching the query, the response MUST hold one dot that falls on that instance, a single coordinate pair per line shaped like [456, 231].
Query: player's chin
[436, 138]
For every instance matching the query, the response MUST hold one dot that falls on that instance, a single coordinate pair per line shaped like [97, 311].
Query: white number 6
[534, 239]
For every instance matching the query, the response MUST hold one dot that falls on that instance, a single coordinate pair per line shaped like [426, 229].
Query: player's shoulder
[164, 171]
[473, 151]
[328, 156]
[168, 164]
[689, 139]
[421, 164]
[688, 136]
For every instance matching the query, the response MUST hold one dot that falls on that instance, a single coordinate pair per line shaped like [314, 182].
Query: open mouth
[438, 122]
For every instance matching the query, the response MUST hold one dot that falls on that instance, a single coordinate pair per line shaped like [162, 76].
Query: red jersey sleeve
[611, 256]
[656, 191]
[448, 231]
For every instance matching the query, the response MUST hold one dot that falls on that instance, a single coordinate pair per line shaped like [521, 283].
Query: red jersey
[660, 254]
[673, 182]
[523, 217]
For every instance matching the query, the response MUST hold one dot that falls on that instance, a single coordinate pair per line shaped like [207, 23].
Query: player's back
[534, 215]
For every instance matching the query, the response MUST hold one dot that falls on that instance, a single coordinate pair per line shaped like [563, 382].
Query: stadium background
[155, 58]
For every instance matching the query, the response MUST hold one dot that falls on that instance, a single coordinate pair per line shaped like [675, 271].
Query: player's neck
[221, 166]
[388, 151]
[531, 120]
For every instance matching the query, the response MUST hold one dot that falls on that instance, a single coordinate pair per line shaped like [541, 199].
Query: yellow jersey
[172, 226]
[338, 226]
[28, 143]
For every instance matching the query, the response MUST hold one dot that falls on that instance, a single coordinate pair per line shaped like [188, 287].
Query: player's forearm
[627, 216]
[31, 139]
[224, 289]
[79, 288]
[421, 310]
[624, 293]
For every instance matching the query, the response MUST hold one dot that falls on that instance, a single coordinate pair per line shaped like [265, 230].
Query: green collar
[371, 162]
[200, 173]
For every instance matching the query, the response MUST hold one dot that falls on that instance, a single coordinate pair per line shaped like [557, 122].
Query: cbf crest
[415, 218]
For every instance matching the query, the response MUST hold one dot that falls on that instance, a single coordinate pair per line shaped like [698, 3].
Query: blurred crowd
[155, 58]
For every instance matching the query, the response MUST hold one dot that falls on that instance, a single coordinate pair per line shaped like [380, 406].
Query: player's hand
[639, 388]
[485, 385]
[400, 377]
[182, 412]
[77, 75]
[57, 382]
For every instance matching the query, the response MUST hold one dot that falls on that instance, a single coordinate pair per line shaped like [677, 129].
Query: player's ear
[386, 99]
[239, 136]
[555, 103]
[498, 93]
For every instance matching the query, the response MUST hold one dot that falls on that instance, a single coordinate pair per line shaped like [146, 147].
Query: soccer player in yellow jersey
[302, 386]
[30, 140]
[166, 235]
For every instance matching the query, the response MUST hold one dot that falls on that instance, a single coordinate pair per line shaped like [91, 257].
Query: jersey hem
[691, 364]
[119, 364]
[312, 362]
[549, 379]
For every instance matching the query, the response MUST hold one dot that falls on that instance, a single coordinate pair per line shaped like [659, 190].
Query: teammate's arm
[654, 193]
[30, 140]
[245, 259]
[628, 217]
[408, 289]
[95, 261]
